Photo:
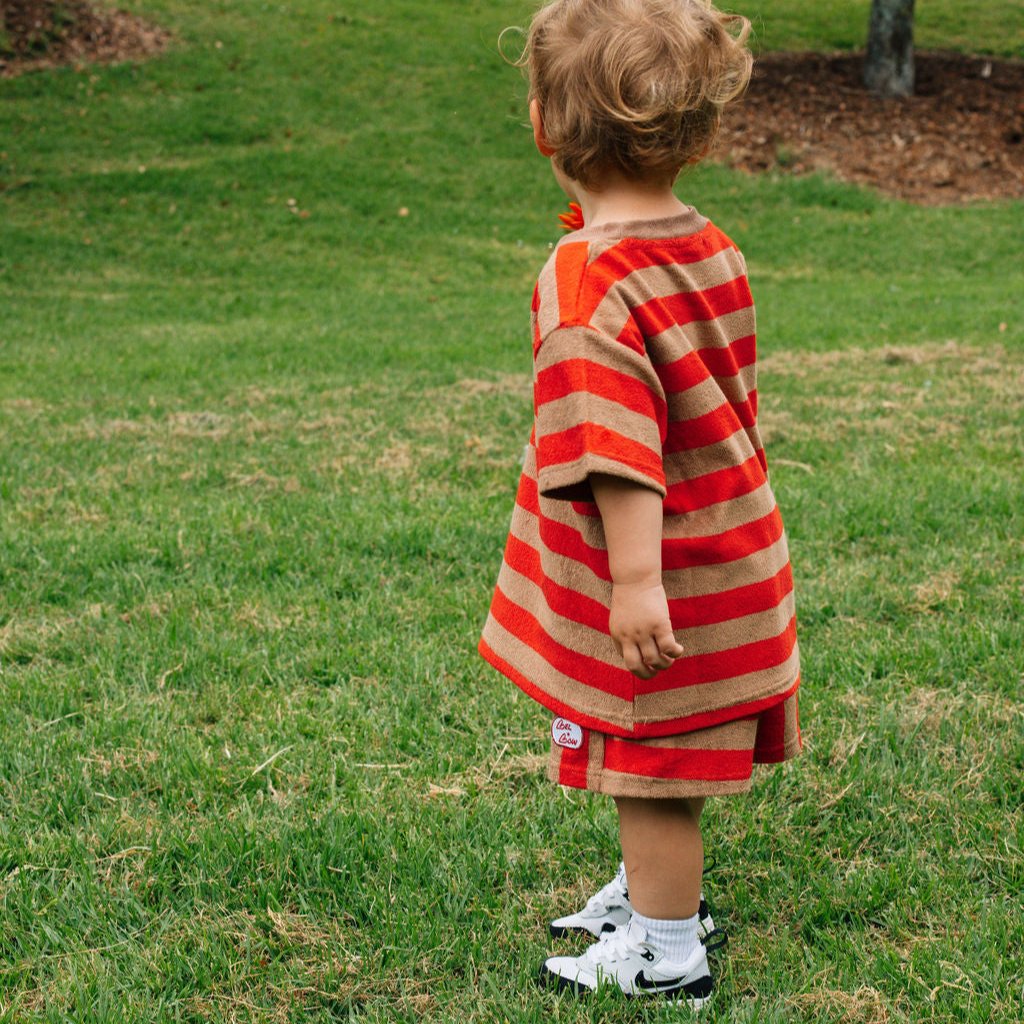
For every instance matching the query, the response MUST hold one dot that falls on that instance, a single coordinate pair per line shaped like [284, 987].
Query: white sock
[677, 938]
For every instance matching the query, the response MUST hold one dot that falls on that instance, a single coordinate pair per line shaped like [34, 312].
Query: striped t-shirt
[644, 368]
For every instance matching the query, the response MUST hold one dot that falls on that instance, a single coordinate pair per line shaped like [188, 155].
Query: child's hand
[640, 626]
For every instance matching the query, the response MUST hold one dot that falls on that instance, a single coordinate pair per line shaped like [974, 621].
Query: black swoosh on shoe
[699, 989]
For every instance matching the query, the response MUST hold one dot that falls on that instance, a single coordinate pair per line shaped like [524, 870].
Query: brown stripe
[700, 640]
[578, 638]
[586, 343]
[696, 581]
[578, 408]
[792, 740]
[731, 736]
[714, 579]
[595, 765]
[724, 636]
[694, 700]
[748, 381]
[566, 475]
[622, 784]
[721, 332]
[658, 282]
[547, 286]
[694, 462]
[735, 735]
[546, 678]
[705, 397]
[681, 225]
[526, 527]
[706, 522]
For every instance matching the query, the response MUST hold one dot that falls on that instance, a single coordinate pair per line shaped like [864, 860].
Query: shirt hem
[630, 728]
[571, 478]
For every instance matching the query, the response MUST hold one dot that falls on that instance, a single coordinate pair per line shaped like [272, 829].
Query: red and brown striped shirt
[644, 368]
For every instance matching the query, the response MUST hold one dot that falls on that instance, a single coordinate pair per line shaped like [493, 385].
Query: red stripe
[559, 538]
[690, 370]
[770, 742]
[596, 674]
[712, 427]
[667, 311]
[572, 765]
[682, 374]
[685, 613]
[541, 697]
[564, 540]
[568, 446]
[630, 255]
[705, 720]
[632, 758]
[711, 488]
[686, 671]
[570, 267]
[667, 727]
[728, 360]
[727, 546]
[757, 656]
[676, 553]
[632, 336]
[771, 732]
[585, 377]
[708, 609]
[569, 604]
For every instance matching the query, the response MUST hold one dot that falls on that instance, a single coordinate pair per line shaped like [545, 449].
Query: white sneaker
[624, 959]
[610, 907]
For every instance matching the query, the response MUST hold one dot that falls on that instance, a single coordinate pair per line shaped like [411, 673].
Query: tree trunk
[889, 64]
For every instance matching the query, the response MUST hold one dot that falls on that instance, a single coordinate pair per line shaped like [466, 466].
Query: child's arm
[639, 621]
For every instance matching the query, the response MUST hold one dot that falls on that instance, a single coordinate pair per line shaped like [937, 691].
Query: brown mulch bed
[81, 33]
[959, 138]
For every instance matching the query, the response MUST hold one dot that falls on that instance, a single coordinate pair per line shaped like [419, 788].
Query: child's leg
[659, 951]
[663, 851]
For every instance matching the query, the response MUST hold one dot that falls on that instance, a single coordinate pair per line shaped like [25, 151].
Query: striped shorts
[708, 762]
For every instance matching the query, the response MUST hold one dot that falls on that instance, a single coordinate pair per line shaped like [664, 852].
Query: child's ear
[538, 130]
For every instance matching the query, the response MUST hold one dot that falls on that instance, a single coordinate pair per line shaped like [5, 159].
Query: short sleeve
[599, 408]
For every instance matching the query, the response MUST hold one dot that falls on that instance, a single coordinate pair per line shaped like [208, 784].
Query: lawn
[264, 384]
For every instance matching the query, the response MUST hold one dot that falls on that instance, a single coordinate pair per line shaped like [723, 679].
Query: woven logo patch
[566, 733]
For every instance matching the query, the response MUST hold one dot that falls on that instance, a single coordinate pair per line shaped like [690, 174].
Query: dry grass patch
[264, 619]
[396, 461]
[927, 707]
[503, 769]
[260, 479]
[935, 590]
[866, 1005]
[20, 637]
[907, 394]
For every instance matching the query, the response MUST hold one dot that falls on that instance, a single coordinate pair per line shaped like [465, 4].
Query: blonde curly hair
[633, 86]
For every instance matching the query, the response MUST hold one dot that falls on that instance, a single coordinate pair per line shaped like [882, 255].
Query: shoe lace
[609, 895]
[615, 945]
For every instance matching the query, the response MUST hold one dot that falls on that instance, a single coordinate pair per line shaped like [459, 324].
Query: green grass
[991, 27]
[257, 469]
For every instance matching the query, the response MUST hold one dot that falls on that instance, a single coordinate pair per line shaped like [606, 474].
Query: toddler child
[645, 597]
